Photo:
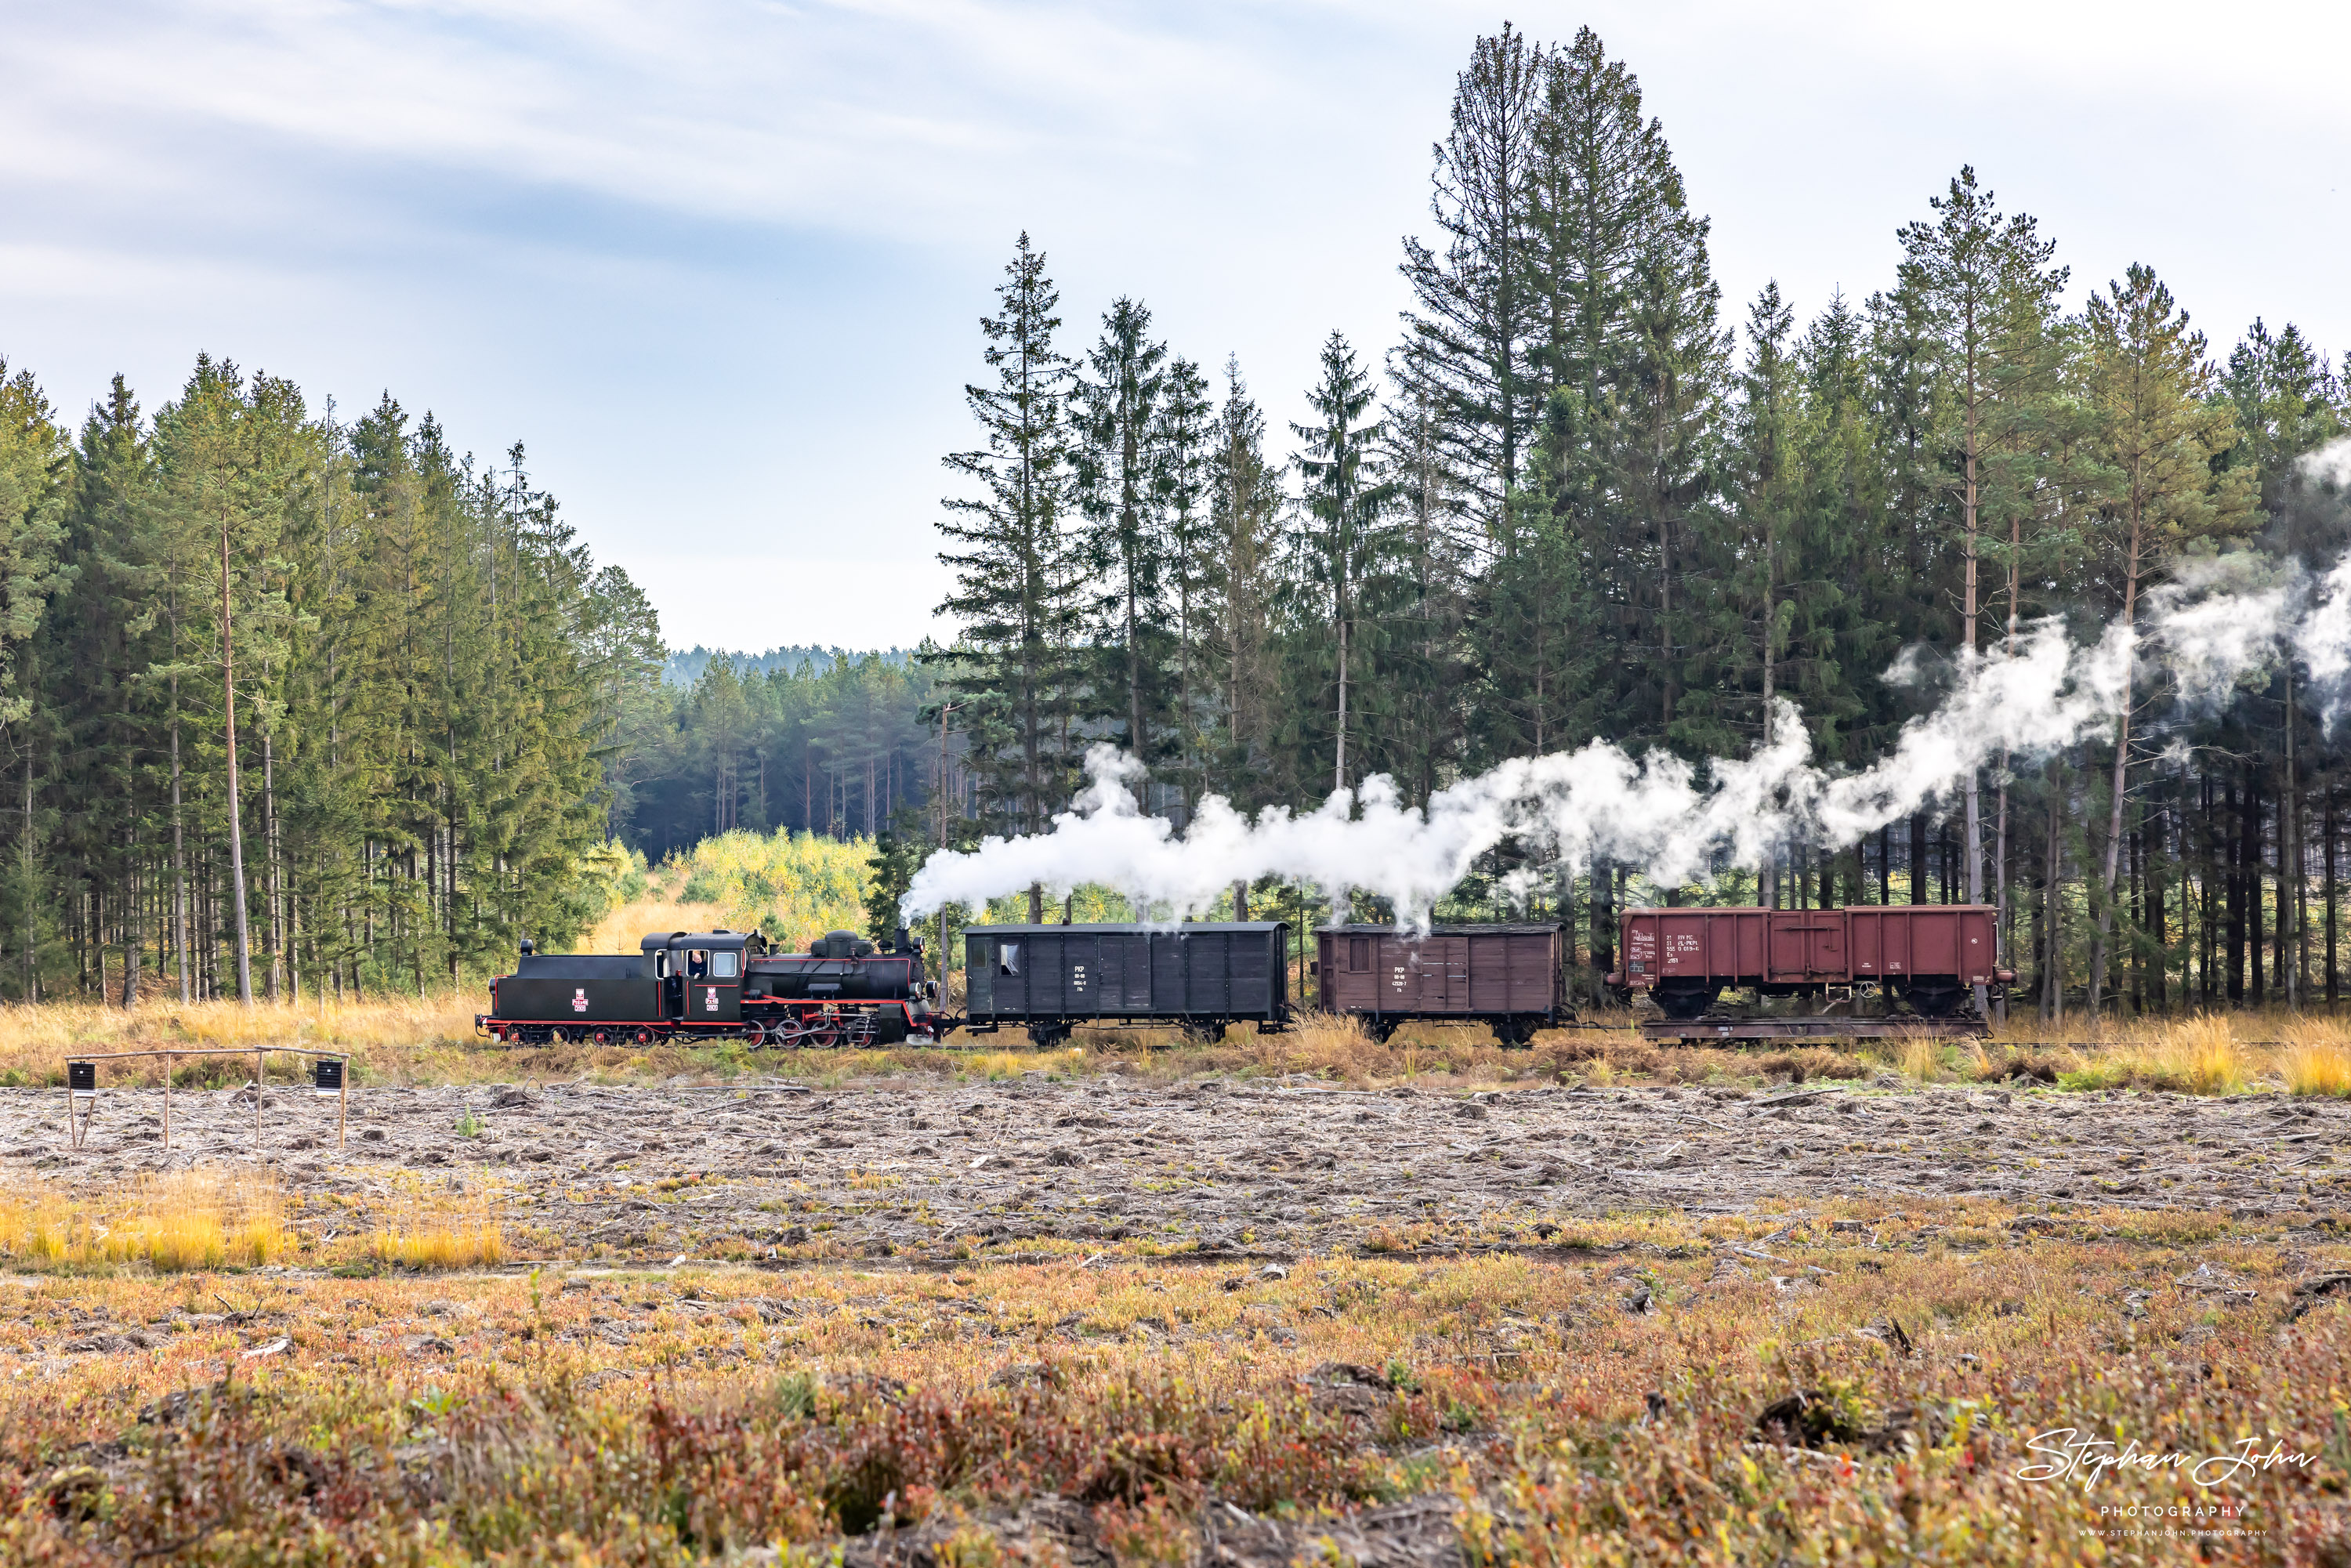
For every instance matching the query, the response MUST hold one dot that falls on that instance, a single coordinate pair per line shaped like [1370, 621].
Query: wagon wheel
[602, 1037]
[1681, 999]
[644, 1036]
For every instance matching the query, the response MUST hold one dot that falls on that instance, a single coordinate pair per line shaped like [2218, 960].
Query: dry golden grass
[192, 1219]
[35, 1040]
[220, 1218]
[422, 1225]
[2315, 1066]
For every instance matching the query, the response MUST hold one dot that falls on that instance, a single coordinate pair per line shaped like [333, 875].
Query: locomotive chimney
[898, 942]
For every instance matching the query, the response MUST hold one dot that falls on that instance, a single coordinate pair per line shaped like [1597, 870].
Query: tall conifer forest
[293, 702]
[1578, 495]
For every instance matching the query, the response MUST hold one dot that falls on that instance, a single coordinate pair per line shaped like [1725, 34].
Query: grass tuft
[192, 1219]
[2317, 1067]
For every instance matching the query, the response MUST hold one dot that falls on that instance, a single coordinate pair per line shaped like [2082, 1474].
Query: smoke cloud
[1675, 821]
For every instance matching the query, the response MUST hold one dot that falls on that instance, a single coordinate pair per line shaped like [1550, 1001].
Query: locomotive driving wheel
[754, 1035]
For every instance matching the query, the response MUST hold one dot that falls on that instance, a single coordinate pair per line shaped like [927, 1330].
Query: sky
[719, 265]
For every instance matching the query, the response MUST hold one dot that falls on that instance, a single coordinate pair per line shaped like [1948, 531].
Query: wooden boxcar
[1511, 977]
[1928, 954]
[1046, 978]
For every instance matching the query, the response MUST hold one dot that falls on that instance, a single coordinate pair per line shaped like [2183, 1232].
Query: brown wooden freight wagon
[1512, 977]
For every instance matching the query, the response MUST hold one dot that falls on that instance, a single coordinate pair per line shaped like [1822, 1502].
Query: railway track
[1715, 1031]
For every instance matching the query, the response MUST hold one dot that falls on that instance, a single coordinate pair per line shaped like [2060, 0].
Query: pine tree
[2162, 429]
[1971, 270]
[1014, 581]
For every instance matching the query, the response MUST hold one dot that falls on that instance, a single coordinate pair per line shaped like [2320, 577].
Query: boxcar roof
[1140, 926]
[1439, 930]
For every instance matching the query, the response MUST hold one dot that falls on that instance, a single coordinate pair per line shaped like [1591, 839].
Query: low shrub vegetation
[1876, 1391]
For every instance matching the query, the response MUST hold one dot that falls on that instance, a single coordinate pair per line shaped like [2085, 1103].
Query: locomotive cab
[702, 974]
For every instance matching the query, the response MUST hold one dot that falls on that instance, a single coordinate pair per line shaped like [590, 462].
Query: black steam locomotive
[686, 985]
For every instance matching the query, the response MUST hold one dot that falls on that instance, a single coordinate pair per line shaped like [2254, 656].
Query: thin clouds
[791, 211]
[879, 119]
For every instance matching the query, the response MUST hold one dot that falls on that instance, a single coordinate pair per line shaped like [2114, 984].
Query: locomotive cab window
[697, 963]
[1007, 959]
[1358, 955]
[722, 965]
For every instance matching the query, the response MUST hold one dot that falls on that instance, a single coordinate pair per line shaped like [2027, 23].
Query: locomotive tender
[686, 985]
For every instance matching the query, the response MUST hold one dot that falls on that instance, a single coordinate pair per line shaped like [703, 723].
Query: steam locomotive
[706, 984]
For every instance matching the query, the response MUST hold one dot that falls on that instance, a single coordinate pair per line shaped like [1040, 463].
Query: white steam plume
[1658, 813]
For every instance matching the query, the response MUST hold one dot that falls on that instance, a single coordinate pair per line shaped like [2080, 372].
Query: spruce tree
[1122, 482]
[1186, 438]
[102, 638]
[1241, 581]
[1342, 542]
[1474, 318]
[32, 504]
